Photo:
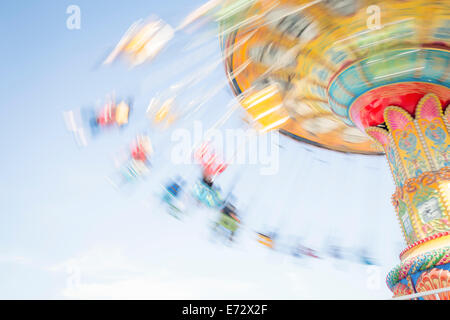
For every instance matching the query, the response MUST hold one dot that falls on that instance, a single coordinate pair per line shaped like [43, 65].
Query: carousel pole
[417, 149]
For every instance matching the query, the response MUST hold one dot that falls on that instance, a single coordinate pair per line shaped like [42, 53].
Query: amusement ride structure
[360, 76]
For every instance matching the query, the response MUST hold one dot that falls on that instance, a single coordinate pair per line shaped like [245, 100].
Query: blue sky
[59, 214]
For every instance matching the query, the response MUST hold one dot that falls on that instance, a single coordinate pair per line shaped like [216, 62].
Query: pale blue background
[59, 217]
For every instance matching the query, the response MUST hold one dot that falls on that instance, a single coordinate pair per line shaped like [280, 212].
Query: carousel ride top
[366, 77]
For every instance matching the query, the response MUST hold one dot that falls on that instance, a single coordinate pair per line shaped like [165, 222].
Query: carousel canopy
[339, 64]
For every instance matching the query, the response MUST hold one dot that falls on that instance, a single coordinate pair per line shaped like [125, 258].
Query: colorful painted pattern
[422, 241]
[396, 66]
[421, 207]
[402, 290]
[430, 121]
[406, 140]
[432, 280]
[414, 151]
[420, 263]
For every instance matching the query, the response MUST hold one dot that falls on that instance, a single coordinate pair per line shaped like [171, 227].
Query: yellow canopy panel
[265, 107]
[122, 113]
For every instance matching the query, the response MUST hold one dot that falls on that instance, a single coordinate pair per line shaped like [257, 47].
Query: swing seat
[228, 223]
[122, 113]
[206, 195]
[265, 240]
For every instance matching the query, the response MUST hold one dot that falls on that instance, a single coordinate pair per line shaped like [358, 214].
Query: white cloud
[155, 287]
[108, 273]
[15, 259]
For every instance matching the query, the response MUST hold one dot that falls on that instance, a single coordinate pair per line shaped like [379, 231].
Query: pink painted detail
[397, 118]
[429, 108]
[401, 290]
[380, 135]
[368, 109]
[447, 115]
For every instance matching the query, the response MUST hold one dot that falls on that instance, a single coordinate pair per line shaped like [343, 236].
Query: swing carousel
[360, 76]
